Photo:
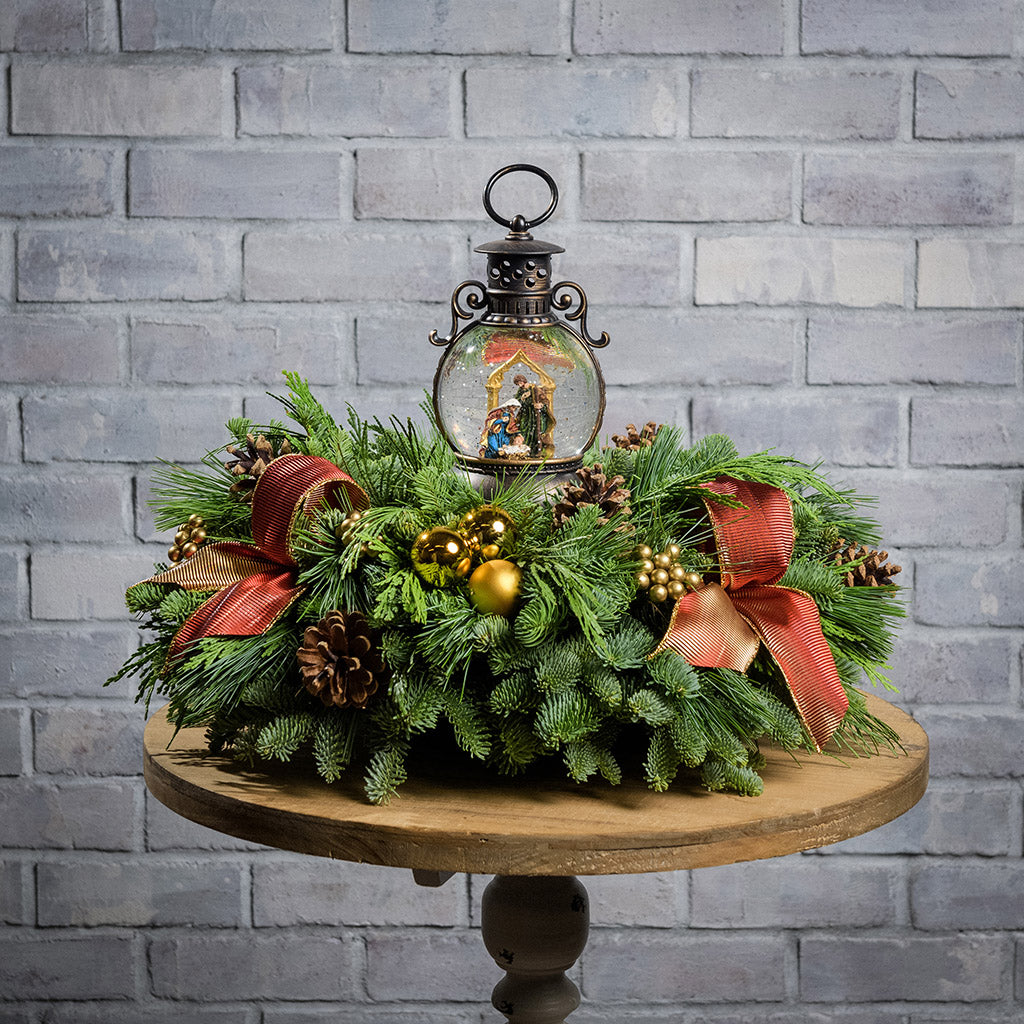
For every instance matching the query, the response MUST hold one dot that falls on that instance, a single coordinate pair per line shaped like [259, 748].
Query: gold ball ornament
[662, 560]
[675, 590]
[489, 530]
[440, 556]
[658, 593]
[174, 553]
[494, 586]
[194, 522]
[344, 529]
[643, 580]
[644, 552]
[181, 537]
[694, 580]
[198, 535]
[188, 550]
[660, 577]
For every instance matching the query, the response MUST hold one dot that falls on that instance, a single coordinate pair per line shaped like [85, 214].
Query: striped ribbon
[722, 626]
[255, 583]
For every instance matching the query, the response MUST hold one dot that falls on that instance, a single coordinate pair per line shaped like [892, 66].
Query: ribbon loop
[721, 626]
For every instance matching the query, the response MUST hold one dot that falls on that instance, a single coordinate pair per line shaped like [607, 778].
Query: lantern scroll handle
[473, 301]
[562, 301]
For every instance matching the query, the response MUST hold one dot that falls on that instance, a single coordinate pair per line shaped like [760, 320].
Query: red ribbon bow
[722, 626]
[255, 583]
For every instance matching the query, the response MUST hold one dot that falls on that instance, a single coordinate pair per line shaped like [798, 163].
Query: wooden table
[535, 836]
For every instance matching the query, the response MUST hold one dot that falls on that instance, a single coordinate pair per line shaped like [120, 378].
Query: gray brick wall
[801, 223]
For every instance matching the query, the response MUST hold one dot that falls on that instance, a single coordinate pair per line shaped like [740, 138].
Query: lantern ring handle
[519, 223]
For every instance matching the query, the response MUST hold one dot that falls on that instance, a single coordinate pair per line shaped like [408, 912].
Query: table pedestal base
[535, 928]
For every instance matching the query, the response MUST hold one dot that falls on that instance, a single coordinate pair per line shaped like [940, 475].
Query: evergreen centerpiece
[671, 608]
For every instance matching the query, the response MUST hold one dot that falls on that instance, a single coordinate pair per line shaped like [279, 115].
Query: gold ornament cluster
[662, 575]
[345, 532]
[471, 551]
[188, 538]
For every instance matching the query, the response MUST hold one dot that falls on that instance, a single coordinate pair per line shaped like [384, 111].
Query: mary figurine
[499, 430]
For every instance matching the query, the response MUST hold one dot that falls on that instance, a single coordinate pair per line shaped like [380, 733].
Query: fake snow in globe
[518, 386]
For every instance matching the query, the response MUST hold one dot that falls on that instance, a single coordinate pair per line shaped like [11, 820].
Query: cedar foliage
[568, 676]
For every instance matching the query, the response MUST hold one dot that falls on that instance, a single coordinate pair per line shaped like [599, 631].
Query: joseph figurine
[535, 416]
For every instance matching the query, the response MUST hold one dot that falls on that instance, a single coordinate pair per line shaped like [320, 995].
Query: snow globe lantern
[518, 387]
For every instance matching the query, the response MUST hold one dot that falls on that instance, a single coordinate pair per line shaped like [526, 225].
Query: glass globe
[512, 394]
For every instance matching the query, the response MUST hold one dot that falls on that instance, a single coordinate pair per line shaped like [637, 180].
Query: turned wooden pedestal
[536, 836]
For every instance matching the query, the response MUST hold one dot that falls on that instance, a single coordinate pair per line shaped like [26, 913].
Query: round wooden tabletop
[464, 819]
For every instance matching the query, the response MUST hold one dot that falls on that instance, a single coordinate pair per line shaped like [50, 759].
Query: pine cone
[873, 571]
[339, 661]
[635, 440]
[250, 462]
[594, 489]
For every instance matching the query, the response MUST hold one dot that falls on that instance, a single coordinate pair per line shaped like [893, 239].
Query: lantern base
[517, 467]
[491, 479]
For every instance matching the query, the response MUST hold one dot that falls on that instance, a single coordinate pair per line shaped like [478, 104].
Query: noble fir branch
[490, 630]
[419, 700]
[651, 707]
[516, 745]
[333, 743]
[604, 685]
[662, 760]
[564, 716]
[718, 774]
[469, 723]
[386, 771]
[629, 645]
[810, 576]
[688, 736]
[178, 604]
[559, 666]
[514, 693]
[541, 615]
[674, 675]
[283, 736]
[581, 759]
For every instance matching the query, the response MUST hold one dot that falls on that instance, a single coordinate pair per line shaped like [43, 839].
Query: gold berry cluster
[344, 532]
[188, 538]
[662, 576]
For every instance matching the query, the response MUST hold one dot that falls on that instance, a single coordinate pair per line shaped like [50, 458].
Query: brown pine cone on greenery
[339, 661]
[250, 462]
[635, 439]
[873, 570]
[594, 488]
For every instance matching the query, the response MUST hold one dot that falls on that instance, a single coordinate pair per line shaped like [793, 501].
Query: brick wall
[801, 224]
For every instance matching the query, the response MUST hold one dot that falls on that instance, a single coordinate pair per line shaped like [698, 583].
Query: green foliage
[568, 676]
[283, 736]
[333, 741]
